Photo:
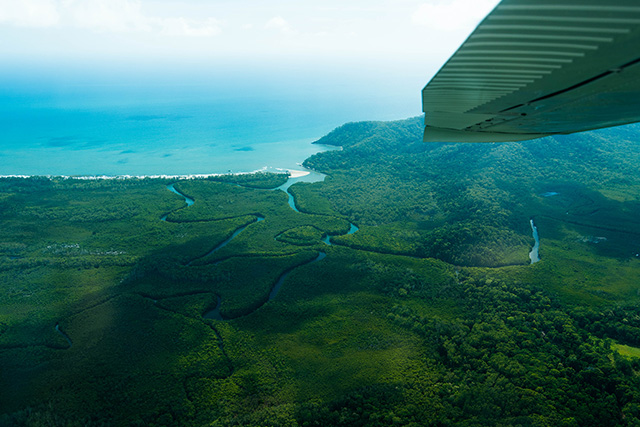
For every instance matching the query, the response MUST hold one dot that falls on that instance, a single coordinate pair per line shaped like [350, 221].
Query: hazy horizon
[243, 73]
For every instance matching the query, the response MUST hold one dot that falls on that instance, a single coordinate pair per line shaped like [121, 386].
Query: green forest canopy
[428, 315]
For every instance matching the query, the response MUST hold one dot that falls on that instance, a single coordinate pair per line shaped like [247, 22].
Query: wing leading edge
[535, 68]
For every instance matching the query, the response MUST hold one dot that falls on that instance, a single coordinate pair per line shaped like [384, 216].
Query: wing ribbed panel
[539, 67]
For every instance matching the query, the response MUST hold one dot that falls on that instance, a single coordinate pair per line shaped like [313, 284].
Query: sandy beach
[298, 174]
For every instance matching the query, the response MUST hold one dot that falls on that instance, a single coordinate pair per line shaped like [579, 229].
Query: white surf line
[155, 176]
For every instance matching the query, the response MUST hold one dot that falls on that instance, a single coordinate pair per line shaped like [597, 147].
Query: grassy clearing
[627, 351]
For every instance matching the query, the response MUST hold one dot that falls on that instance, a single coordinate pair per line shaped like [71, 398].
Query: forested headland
[122, 305]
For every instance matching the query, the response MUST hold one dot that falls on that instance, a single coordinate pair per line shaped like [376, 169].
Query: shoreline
[293, 173]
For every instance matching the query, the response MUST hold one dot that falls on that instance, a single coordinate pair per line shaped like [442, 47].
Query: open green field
[122, 305]
[626, 350]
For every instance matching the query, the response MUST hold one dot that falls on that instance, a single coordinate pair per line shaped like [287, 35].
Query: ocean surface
[122, 130]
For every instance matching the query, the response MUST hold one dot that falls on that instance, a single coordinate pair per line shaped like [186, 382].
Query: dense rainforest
[398, 291]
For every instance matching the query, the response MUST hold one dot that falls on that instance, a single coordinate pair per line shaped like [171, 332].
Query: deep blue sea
[217, 127]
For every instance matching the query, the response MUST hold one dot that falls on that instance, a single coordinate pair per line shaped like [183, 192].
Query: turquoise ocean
[155, 128]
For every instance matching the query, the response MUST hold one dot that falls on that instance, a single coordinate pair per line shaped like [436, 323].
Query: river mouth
[307, 176]
[311, 177]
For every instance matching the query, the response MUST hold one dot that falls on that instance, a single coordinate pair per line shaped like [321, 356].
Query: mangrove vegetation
[399, 292]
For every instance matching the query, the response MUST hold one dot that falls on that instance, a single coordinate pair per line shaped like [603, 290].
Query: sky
[47, 36]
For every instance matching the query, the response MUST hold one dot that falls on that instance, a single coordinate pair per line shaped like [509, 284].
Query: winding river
[311, 177]
[215, 313]
[188, 200]
[327, 238]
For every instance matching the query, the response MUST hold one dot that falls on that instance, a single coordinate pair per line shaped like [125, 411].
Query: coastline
[293, 173]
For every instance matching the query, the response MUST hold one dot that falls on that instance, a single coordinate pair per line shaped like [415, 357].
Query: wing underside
[534, 68]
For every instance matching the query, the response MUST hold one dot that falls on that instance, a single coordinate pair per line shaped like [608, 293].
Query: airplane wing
[535, 68]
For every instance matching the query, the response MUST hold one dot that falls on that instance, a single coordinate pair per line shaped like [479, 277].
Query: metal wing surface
[535, 68]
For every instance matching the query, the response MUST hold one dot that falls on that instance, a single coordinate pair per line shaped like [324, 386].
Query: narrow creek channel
[66, 337]
[278, 285]
[534, 255]
[216, 315]
[226, 242]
